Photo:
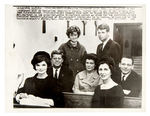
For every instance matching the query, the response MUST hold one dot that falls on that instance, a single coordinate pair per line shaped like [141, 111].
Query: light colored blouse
[86, 82]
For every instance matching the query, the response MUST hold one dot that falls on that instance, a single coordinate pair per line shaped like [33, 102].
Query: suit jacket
[133, 82]
[112, 49]
[64, 82]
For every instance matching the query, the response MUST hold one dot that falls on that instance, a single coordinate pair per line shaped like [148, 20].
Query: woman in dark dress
[39, 89]
[109, 94]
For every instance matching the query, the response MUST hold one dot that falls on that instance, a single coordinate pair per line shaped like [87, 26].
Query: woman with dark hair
[88, 79]
[73, 50]
[39, 89]
[39, 57]
[109, 94]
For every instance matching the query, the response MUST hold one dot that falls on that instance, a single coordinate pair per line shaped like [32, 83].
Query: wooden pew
[73, 100]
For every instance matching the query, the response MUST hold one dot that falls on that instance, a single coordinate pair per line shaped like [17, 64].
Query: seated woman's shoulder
[29, 79]
[82, 74]
[119, 89]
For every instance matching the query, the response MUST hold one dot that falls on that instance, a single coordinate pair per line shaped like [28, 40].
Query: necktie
[123, 78]
[101, 47]
[56, 73]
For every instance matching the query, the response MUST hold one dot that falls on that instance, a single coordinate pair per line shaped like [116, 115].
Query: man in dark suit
[61, 74]
[131, 82]
[108, 47]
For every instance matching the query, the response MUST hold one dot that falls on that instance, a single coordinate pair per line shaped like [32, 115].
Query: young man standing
[108, 47]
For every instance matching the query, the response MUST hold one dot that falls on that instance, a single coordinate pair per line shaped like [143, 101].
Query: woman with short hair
[73, 50]
[88, 79]
[38, 90]
[109, 94]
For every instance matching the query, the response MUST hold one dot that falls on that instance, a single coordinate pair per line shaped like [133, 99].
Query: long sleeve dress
[43, 88]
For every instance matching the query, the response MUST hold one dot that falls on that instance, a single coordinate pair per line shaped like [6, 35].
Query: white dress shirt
[104, 43]
[58, 71]
[124, 76]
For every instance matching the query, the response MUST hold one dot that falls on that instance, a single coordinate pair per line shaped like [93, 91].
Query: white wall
[28, 38]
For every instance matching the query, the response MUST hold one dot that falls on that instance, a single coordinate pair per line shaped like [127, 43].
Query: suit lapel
[101, 45]
[61, 73]
[129, 78]
[107, 46]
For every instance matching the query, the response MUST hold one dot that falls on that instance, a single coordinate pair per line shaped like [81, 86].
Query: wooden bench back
[73, 100]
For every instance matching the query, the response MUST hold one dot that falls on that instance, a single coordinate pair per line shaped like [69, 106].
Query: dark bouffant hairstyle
[72, 29]
[90, 56]
[104, 26]
[39, 57]
[107, 60]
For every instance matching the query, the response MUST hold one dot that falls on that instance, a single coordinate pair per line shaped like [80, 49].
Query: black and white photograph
[75, 56]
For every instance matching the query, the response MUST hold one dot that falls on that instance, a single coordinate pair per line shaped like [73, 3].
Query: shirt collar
[58, 71]
[125, 76]
[105, 42]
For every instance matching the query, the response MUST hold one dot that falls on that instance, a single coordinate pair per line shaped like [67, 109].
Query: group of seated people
[105, 75]
[99, 78]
